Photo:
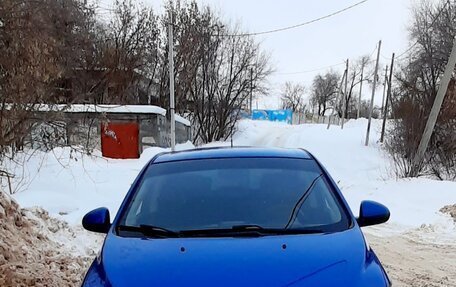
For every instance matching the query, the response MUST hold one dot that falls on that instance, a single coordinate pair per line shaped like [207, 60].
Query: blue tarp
[285, 116]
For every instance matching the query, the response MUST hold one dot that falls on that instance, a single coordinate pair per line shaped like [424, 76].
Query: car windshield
[220, 194]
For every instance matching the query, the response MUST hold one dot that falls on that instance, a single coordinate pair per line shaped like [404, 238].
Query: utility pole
[171, 81]
[384, 88]
[374, 86]
[344, 104]
[388, 96]
[251, 92]
[360, 89]
[337, 100]
[429, 129]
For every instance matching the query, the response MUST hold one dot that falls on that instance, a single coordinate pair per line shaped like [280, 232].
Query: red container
[120, 140]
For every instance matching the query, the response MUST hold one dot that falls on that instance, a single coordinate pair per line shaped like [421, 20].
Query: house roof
[108, 109]
[123, 109]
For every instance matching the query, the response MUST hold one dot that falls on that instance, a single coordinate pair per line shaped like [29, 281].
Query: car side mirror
[97, 220]
[372, 213]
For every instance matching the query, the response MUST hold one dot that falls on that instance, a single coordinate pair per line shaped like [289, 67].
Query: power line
[295, 26]
[285, 29]
[327, 67]
[406, 51]
[373, 51]
[313, 70]
[318, 69]
[417, 41]
[384, 57]
[274, 30]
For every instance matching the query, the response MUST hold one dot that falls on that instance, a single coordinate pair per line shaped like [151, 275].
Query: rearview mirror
[372, 213]
[97, 220]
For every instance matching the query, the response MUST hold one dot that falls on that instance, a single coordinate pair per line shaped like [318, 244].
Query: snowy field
[68, 185]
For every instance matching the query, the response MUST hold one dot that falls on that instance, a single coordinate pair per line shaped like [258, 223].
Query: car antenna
[231, 139]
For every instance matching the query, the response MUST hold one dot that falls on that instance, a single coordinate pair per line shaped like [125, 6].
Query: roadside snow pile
[28, 255]
[451, 210]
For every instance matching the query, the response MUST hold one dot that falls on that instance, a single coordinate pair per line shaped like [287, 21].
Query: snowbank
[29, 253]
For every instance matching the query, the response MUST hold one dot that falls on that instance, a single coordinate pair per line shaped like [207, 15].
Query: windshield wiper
[149, 230]
[300, 202]
[248, 230]
[216, 232]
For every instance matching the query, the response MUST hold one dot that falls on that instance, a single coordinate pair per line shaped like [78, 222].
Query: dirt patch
[28, 254]
[411, 263]
[451, 210]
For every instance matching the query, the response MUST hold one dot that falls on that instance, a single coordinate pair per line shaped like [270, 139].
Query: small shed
[119, 131]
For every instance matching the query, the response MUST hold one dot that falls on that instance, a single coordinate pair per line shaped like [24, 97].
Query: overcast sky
[351, 34]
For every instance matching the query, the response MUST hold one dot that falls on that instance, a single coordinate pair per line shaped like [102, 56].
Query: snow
[111, 109]
[121, 109]
[182, 120]
[68, 184]
[88, 108]
[136, 109]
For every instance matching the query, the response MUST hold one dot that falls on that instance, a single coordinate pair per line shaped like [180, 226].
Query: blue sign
[285, 116]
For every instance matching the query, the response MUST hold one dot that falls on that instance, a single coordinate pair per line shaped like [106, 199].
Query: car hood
[294, 260]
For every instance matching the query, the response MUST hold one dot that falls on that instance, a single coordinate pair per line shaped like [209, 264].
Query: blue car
[235, 217]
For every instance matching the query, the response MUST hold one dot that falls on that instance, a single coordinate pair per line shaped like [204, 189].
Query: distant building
[119, 131]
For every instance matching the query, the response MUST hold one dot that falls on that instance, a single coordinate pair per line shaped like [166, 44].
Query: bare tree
[213, 72]
[293, 97]
[354, 79]
[55, 51]
[39, 41]
[324, 91]
[226, 78]
[193, 29]
[432, 33]
[127, 54]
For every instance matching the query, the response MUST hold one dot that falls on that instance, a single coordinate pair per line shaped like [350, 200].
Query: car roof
[232, 152]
